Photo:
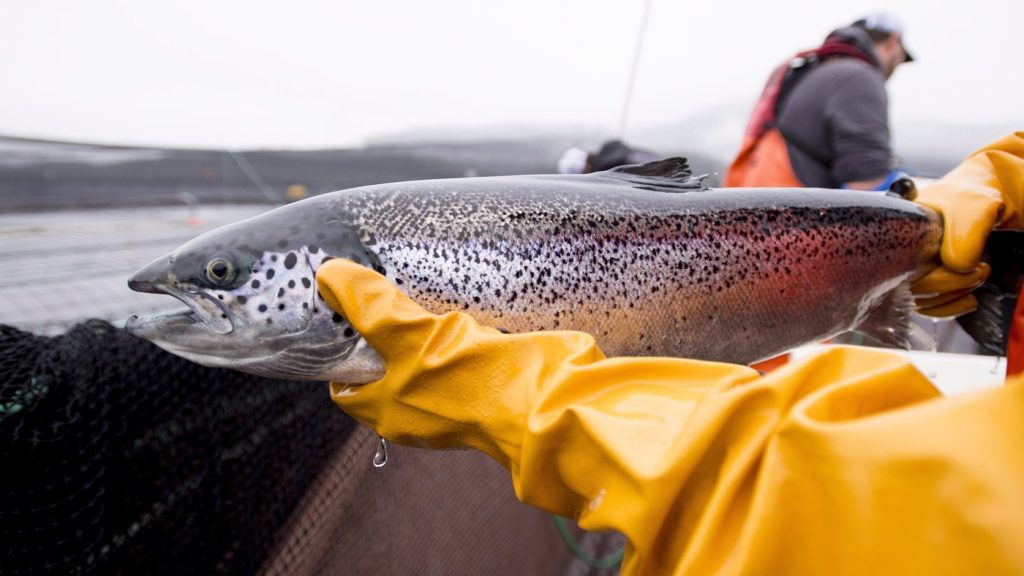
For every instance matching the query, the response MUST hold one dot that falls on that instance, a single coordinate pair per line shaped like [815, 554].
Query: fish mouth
[141, 326]
[203, 310]
[144, 286]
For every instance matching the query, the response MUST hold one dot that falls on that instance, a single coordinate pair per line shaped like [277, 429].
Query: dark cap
[888, 25]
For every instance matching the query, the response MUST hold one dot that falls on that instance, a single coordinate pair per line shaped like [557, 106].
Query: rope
[254, 176]
[637, 51]
[605, 563]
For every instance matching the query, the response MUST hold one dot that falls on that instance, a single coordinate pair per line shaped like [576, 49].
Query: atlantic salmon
[643, 257]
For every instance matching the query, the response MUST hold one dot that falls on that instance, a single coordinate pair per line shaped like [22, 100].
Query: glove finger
[964, 234]
[953, 309]
[363, 402]
[942, 280]
[391, 322]
[377, 309]
[940, 300]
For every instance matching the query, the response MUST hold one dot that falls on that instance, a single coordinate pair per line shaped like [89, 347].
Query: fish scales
[651, 273]
[729, 275]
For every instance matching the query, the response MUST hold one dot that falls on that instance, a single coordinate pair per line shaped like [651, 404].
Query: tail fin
[989, 325]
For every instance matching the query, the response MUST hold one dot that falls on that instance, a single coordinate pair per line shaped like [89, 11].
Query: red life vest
[763, 159]
[1015, 346]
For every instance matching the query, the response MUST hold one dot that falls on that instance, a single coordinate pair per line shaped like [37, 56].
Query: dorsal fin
[666, 175]
[675, 168]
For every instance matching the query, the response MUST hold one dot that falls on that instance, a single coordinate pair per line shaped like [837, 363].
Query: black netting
[118, 457]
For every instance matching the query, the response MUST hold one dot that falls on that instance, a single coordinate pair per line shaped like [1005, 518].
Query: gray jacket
[835, 121]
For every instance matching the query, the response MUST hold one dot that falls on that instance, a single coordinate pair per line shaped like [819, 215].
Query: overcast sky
[309, 73]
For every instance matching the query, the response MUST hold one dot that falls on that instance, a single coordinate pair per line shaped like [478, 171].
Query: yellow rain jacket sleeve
[985, 191]
[846, 463]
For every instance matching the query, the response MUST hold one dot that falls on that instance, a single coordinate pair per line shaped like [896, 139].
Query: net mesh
[123, 458]
[120, 458]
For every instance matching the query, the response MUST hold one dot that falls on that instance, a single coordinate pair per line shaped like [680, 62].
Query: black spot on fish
[255, 283]
[270, 274]
[291, 283]
[399, 281]
[326, 259]
[224, 316]
[280, 306]
[273, 257]
[349, 332]
[290, 260]
[263, 308]
[220, 296]
[306, 283]
[314, 249]
[305, 305]
[242, 299]
[337, 317]
[269, 321]
[280, 292]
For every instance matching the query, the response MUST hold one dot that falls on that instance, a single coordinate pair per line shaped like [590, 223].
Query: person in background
[848, 461]
[612, 153]
[822, 119]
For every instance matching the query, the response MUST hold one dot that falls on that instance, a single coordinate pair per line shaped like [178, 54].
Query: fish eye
[220, 271]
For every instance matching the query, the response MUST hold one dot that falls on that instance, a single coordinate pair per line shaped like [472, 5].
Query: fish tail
[989, 325]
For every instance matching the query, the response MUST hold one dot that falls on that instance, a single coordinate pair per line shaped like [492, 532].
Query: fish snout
[143, 286]
[151, 277]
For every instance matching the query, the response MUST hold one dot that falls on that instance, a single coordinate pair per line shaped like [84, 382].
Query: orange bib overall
[762, 162]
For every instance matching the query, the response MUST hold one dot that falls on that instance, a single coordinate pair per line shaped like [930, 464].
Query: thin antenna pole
[255, 177]
[637, 51]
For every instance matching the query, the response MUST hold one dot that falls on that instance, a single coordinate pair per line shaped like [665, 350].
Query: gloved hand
[986, 191]
[705, 467]
[451, 382]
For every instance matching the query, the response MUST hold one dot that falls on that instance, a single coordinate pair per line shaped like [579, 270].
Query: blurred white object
[952, 374]
[573, 161]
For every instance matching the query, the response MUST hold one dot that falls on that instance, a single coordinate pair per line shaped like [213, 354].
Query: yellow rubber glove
[986, 191]
[845, 463]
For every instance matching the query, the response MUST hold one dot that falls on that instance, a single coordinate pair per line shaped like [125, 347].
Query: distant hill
[42, 174]
[37, 174]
